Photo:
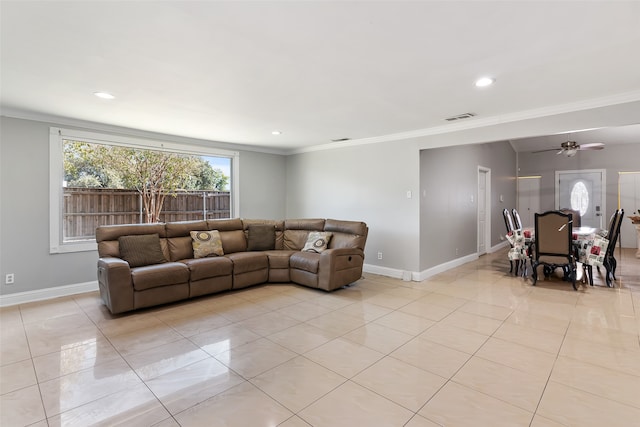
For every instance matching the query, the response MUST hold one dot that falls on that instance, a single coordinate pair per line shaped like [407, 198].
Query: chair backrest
[612, 223]
[516, 219]
[577, 219]
[614, 231]
[554, 231]
[508, 220]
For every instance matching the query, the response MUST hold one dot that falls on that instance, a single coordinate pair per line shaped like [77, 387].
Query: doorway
[629, 200]
[484, 209]
[581, 190]
[528, 199]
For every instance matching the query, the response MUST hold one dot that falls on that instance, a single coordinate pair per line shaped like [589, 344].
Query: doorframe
[487, 204]
[603, 189]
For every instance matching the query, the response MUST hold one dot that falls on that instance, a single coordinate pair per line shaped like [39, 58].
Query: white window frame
[56, 175]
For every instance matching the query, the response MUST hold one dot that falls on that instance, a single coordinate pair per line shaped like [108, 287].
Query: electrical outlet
[9, 279]
[457, 250]
[379, 255]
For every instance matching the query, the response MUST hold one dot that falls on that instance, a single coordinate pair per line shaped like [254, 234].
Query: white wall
[24, 212]
[448, 214]
[262, 185]
[364, 183]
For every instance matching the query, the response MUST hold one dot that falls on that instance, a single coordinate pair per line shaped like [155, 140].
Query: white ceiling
[315, 70]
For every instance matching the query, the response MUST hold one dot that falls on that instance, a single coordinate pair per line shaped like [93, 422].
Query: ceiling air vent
[460, 117]
[340, 139]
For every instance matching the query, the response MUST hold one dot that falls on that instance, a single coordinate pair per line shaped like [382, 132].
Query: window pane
[113, 184]
[580, 198]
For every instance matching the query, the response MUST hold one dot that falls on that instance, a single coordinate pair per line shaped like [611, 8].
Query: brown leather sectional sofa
[176, 275]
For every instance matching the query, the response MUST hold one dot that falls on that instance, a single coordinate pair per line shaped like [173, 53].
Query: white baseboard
[48, 293]
[499, 246]
[418, 276]
[425, 274]
[383, 271]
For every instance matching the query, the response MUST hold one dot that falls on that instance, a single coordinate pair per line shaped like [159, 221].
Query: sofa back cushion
[346, 234]
[179, 241]
[231, 234]
[107, 236]
[296, 232]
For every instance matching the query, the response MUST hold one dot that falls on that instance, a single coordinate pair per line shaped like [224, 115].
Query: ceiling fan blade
[543, 151]
[592, 146]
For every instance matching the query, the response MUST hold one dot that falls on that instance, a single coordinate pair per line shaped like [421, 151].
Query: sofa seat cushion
[279, 259]
[154, 276]
[307, 261]
[205, 268]
[244, 262]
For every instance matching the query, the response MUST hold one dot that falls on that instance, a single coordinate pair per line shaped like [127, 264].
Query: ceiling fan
[570, 148]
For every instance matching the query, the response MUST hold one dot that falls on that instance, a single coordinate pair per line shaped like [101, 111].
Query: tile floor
[473, 346]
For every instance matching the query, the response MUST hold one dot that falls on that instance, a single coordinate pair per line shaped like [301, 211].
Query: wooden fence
[86, 208]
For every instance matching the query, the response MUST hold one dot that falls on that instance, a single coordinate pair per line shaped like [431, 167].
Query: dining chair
[610, 262]
[575, 215]
[553, 247]
[508, 222]
[588, 268]
[516, 218]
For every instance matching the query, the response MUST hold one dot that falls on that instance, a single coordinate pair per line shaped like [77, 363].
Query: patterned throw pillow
[318, 241]
[206, 243]
[140, 250]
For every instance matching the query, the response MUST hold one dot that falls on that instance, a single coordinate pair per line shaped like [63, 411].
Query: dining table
[590, 244]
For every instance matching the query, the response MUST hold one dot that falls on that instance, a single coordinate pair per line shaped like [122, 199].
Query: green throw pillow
[140, 250]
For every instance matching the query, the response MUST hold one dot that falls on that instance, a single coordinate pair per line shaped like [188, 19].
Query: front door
[582, 191]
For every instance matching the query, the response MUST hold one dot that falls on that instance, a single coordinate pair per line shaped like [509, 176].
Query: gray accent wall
[448, 204]
[24, 211]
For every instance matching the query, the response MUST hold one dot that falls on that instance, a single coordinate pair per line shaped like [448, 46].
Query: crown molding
[475, 123]
[131, 132]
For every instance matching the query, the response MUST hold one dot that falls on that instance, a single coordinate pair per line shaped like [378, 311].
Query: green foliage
[207, 178]
[154, 174]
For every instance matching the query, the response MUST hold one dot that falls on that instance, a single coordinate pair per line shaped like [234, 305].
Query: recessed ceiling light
[276, 132]
[485, 81]
[104, 95]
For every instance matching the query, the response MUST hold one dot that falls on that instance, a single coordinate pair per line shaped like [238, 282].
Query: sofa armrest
[114, 280]
[339, 267]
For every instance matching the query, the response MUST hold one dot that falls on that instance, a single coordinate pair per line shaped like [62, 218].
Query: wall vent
[340, 139]
[460, 117]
